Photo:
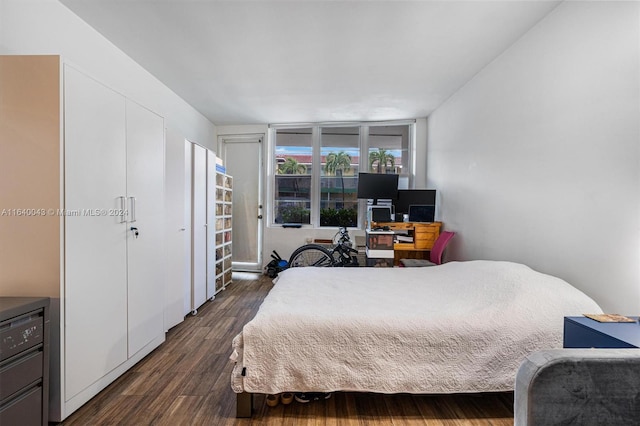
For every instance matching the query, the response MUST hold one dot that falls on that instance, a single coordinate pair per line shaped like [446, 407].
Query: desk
[583, 332]
[424, 236]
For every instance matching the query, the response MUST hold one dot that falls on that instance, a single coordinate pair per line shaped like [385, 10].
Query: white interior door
[199, 223]
[188, 203]
[243, 160]
[95, 284]
[145, 235]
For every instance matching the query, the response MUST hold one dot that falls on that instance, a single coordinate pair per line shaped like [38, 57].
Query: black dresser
[24, 361]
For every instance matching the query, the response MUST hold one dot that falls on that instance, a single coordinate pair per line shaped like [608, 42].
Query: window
[388, 149]
[293, 156]
[315, 169]
[339, 161]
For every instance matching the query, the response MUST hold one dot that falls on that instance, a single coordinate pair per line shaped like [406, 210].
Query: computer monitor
[407, 197]
[422, 213]
[380, 213]
[377, 186]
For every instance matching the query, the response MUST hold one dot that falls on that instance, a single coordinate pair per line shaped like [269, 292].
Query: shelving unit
[224, 210]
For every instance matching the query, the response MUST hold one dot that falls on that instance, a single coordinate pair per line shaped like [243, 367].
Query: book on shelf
[609, 318]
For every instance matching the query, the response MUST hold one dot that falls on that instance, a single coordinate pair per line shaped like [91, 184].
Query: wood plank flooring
[186, 381]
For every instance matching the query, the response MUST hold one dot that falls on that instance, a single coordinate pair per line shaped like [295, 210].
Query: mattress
[456, 327]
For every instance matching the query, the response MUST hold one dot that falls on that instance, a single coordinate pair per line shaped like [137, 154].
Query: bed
[453, 328]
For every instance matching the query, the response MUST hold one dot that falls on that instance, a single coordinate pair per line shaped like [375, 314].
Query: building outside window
[315, 169]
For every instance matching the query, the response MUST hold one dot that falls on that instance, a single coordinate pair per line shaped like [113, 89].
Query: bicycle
[342, 254]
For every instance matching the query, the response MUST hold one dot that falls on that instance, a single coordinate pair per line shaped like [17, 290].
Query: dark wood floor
[186, 381]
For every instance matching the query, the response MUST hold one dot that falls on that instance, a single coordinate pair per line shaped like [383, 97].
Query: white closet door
[175, 228]
[145, 202]
[95, 292]
[199, 281]
[211, 224]
[188, 204]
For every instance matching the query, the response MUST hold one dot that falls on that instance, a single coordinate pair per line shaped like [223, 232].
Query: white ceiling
[245, 62]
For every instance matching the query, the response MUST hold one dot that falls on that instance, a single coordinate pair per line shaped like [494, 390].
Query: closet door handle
[133, 208]
[123, 209]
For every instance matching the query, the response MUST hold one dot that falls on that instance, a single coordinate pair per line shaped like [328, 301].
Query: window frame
[316, 142]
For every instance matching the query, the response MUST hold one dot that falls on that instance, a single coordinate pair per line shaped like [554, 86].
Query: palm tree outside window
[381, 161]
[290, 166]
[339, 162]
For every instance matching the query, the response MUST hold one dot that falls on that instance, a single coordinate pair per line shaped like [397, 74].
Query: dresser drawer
[20, 334]
[16, 374]
[25, 410]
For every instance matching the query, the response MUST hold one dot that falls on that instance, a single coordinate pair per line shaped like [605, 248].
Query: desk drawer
[17, 374]
[400, 226]
[425, 236]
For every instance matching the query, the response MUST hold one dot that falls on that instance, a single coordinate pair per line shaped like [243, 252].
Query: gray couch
[579, 387]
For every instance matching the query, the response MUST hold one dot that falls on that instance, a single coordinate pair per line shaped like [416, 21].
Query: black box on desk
[380, 240]
[380, 262]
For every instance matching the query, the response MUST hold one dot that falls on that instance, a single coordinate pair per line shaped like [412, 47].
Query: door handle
[123, 209]
[133, 208]
[135, 231]
[259, 216]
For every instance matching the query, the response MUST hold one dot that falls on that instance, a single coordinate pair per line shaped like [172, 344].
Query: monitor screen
[380, 213]
[421, 213]
[377, 185]
[407, 197]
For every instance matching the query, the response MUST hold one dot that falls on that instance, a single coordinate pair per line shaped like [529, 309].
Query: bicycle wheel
[310, 255]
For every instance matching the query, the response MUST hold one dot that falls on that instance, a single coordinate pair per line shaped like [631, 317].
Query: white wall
[36, 27]
[419, 155]
[537, 158]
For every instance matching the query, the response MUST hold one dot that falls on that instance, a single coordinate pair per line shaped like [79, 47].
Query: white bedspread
[458, 327]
